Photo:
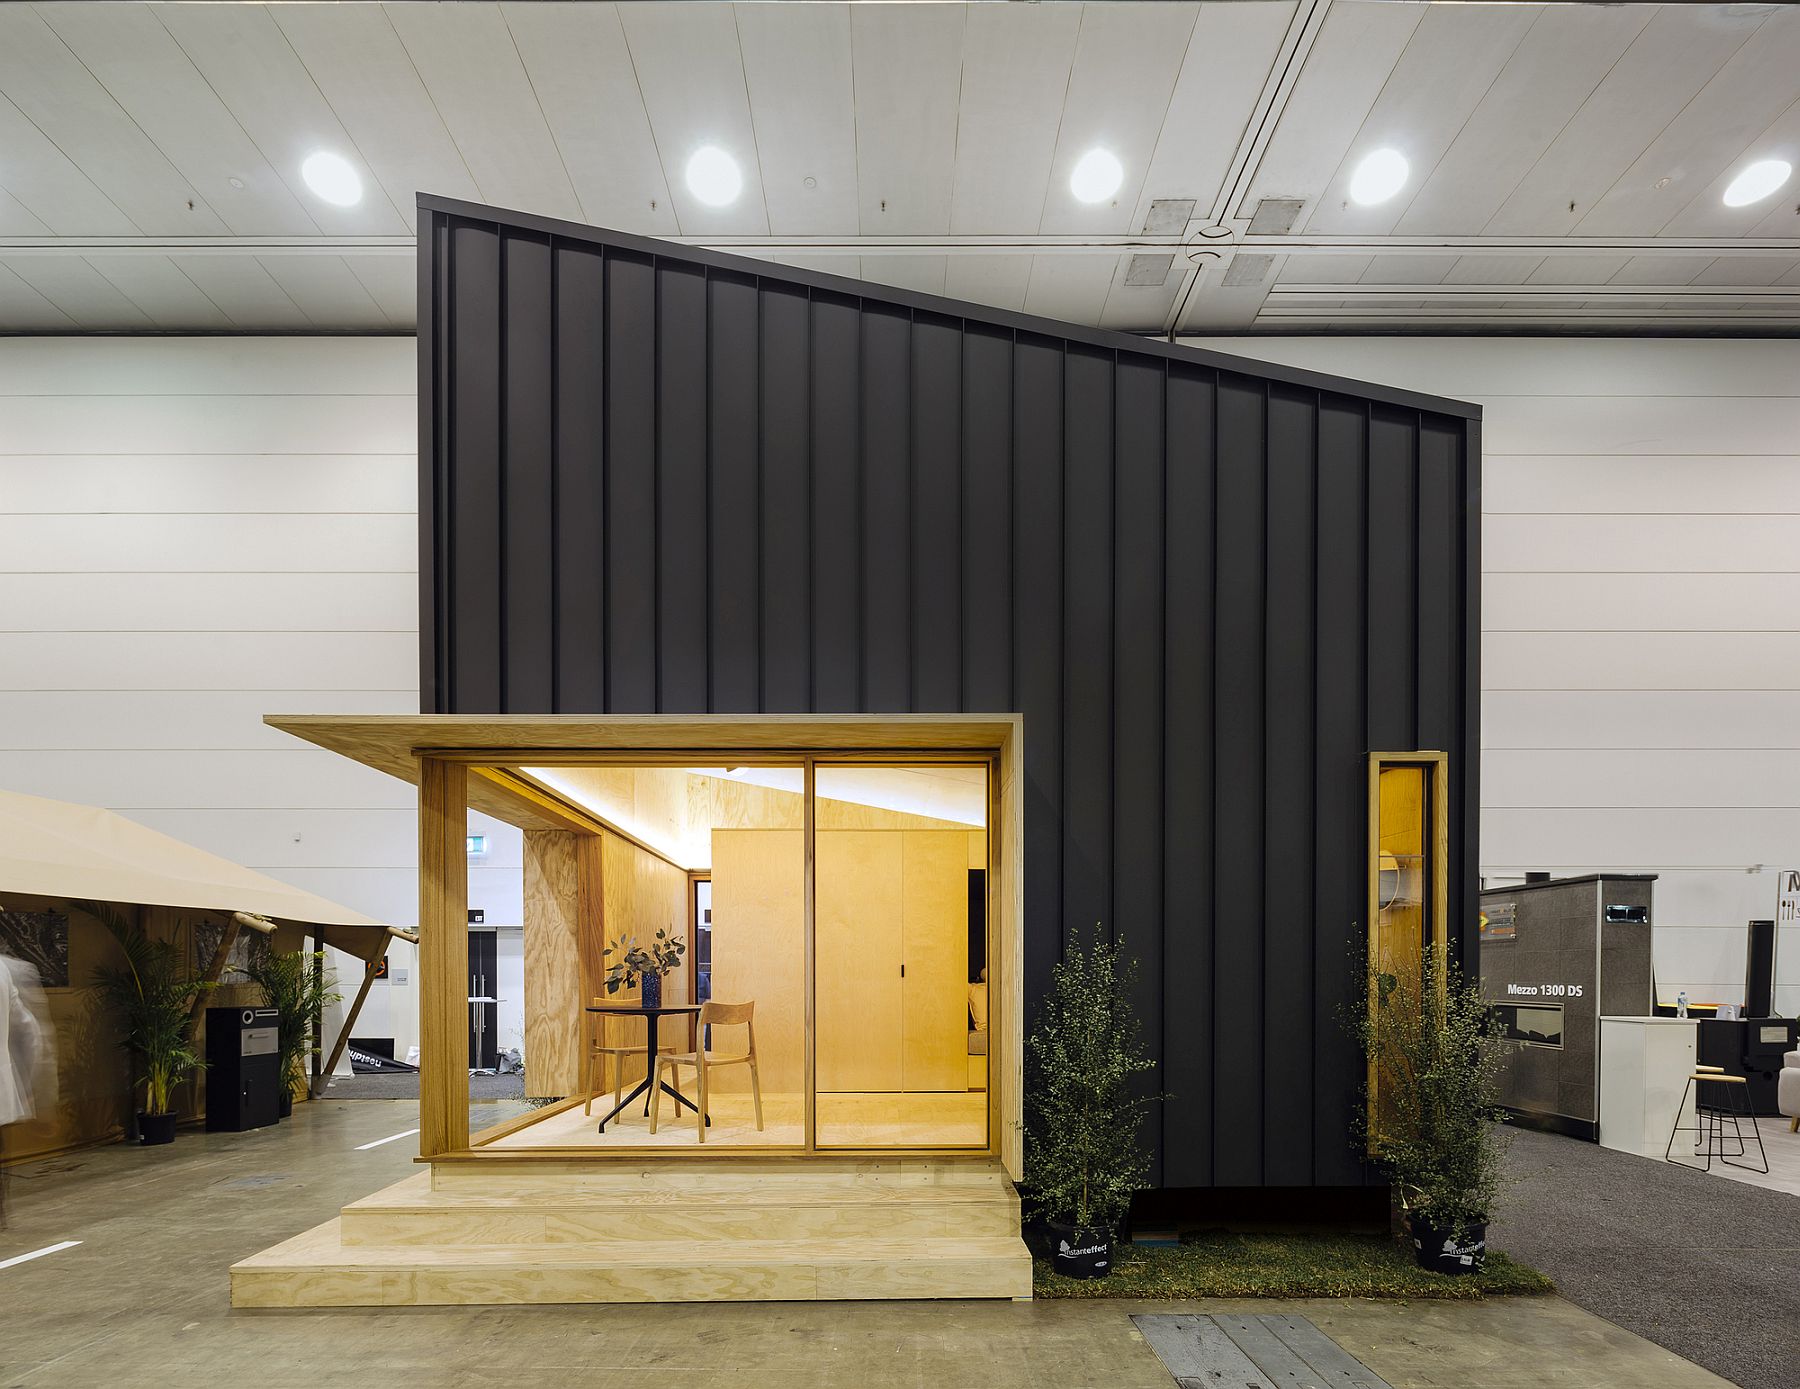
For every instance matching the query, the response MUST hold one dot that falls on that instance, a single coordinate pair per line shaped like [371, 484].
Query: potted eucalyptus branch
[1085, 1153]
[633, 963]
[1431, 1120]
[297, 986]
[153, 995]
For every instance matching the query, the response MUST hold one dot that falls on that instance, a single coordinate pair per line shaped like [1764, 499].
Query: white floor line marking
[390, 1139]
[38, 1253]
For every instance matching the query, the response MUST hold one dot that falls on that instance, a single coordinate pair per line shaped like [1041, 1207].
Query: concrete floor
[143, 1300]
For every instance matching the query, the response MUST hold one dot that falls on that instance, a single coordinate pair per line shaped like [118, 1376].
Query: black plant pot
[154, 1129]
[1080, 1253]
[284, 1104]
[1442, 1251]
[651, 994]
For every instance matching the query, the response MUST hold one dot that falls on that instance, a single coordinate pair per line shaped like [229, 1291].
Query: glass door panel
[899, 853]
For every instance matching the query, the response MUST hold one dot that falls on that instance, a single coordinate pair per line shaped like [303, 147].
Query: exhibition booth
[874, 646]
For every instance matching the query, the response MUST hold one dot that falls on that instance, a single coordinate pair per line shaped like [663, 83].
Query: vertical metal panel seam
[1112, 648]
[812, 511]
[502, 460]
[706, 479]
[1212, 791]
[656, 483]
[1162, 764]
[605, 480]
[555, 441]
[1262, 955]
[1312, 798]
[762, 696]
[1062, 618]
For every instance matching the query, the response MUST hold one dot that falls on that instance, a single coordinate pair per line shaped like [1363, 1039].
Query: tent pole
[337, 1052]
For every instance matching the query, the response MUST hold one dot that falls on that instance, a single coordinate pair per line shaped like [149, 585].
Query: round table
[651, 1016]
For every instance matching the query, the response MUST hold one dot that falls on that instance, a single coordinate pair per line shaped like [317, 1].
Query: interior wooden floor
[475, 1231]
[939, 1120]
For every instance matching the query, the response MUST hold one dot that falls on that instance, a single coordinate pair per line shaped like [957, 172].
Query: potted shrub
[1431, 1121]
[297, 986]
[1085, 1153]
[634, 964]
[152, 994]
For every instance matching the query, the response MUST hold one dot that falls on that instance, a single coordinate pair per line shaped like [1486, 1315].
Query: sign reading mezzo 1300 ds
[1544, 990]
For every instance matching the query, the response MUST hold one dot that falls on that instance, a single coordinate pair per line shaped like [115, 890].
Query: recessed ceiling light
[1097, 176]
[713, 177]
[1757, 182]
[333, 178]
[1380, 176]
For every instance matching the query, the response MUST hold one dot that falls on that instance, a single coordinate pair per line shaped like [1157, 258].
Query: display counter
[1644, 1068]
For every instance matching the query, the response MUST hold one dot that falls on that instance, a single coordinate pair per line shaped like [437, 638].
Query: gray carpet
[1706, 1267]
[404, 1085]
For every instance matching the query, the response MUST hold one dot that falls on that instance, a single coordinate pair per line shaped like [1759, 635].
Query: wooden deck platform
[478, 1232]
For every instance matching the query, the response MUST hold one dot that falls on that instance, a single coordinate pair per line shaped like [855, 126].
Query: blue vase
[652, 993]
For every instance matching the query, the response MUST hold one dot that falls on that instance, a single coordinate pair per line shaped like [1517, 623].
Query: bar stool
[1709, 1121]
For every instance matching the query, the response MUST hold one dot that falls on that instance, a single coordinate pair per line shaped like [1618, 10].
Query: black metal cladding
[660, 479]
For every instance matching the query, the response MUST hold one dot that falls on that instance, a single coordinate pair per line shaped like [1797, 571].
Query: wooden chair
[593, 1073]
[701, 1060]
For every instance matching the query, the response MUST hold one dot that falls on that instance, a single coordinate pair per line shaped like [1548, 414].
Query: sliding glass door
[900, 954]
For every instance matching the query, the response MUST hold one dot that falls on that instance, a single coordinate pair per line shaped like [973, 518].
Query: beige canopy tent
[58, 850]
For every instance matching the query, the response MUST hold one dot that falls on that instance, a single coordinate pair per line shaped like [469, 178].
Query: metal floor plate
[1253, 1352]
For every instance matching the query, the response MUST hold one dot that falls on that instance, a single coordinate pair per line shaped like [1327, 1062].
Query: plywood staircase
[495, 1231]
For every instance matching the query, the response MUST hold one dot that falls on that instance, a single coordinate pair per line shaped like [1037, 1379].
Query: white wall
[1641, 616]
[196, 532]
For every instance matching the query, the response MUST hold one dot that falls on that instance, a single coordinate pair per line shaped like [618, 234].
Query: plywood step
[414, 1213]
[317, 1269]
[501, 1175]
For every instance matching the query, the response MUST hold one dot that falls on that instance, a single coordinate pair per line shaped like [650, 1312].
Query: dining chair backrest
[727, 1013]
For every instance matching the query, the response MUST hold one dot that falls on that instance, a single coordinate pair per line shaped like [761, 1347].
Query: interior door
[934, 906]
[859, 958]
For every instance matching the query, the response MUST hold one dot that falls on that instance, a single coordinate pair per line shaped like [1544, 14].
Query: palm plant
[297, 986]
[1084, 1109]
[153, 995]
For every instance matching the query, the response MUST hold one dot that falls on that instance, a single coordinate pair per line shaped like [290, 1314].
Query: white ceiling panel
[1126, 63]
[803, 100]
[254, 71]
[1659, 270]
[244, 289]
[1014, 75]
[466, 58]
[691, 72]
[1324, 269]
[1069, 287]
[51, 87]
[1675, 56]
[908, 83]
[23, 309]
[392, 282]
[1407, 270]
[1746, 270]
[159, 289]
[16, 219]
[1140, 308]
[363, 70]
[87, 297]
[326, 290]
[1344, 74]
[1576, 270]
[1450, 62]
[128, 48]
[1567, 52]
[581, 73]
[997, 281]
[51, 191]
[1778, 215]
[922, 273]
[1492, 270]
[1750, 91]
[1230, 57]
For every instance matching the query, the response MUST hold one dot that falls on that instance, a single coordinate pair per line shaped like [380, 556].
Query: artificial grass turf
[1219, 1264]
